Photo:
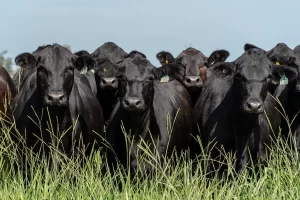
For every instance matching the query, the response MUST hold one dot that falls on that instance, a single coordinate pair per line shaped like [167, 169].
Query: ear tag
[84, 70]
[105, 69]
[277, 63]
[283, 80]
[167, 61]
[164, 79]
[93, 71]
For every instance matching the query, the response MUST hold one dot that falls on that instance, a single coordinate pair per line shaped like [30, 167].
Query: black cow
[230, 110]
[52, 99]
[111, 51]
[165, 57]
[107, 85]
[191, 69]
[143, 107]
[289, 93]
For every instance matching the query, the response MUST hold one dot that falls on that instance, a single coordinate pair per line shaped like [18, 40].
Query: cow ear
[217, 56]
[222, 69]
[84, 63]
[248, 46]
[26, 60]
[283, 74]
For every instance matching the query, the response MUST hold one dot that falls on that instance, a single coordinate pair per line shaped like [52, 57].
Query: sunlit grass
[180, 179]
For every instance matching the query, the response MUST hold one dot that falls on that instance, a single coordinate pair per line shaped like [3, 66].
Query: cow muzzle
[133, 104]
[109, 83]
[56, 98]
[254, 107]
[193, 82]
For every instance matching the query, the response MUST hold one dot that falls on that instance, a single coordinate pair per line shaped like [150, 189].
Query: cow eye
[224, 70]
[69, 71]
[42, 69]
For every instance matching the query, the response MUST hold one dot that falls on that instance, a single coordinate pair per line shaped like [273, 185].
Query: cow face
[192, 60]
[195, 64]
[136, 76]
[55, 75]
[255, 72]
[105, 74]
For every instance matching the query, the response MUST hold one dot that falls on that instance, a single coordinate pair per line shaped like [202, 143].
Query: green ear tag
[164, 79]
[284, 80]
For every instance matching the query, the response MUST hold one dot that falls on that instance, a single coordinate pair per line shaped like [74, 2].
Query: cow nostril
[137, 103]
[103, 81]
[113, 82]
[188, 80]
[249, 106]
[197, 80]
[61, 97]
[50, 97]
[126, 102]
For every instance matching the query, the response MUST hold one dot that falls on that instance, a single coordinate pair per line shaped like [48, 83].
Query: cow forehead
[193, 55]
[254, 71]
[56, 58]
[138, 72]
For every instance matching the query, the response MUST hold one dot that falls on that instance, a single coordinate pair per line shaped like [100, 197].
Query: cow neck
[57, 116]
[107, 99]
[139, 122]
[194, 97]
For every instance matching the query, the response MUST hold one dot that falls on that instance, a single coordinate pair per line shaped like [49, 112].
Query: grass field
[280, 180]
[179, 180]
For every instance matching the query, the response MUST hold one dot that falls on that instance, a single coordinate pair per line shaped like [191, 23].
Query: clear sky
[149, 26]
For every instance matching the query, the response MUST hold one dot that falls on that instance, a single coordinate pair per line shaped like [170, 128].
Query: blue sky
[149, 26]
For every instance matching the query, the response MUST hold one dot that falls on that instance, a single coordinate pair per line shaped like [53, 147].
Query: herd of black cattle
[190, 96]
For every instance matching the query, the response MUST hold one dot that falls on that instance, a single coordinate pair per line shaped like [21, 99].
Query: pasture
[182, 179]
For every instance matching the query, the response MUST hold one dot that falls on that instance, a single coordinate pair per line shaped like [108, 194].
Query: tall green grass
[174, 180]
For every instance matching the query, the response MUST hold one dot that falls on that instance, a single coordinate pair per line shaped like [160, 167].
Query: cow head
[54, 67]
[55, 75]
[165, 57]
[136, 75]
[195, 63]
[254, 73]
[105, 75]
[111, 51]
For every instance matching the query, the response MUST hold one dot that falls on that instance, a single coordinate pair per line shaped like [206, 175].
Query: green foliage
[6, 62]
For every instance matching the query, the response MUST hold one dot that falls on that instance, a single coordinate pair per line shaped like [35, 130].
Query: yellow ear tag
[277, 63]
[104, 69]
[167, 61]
